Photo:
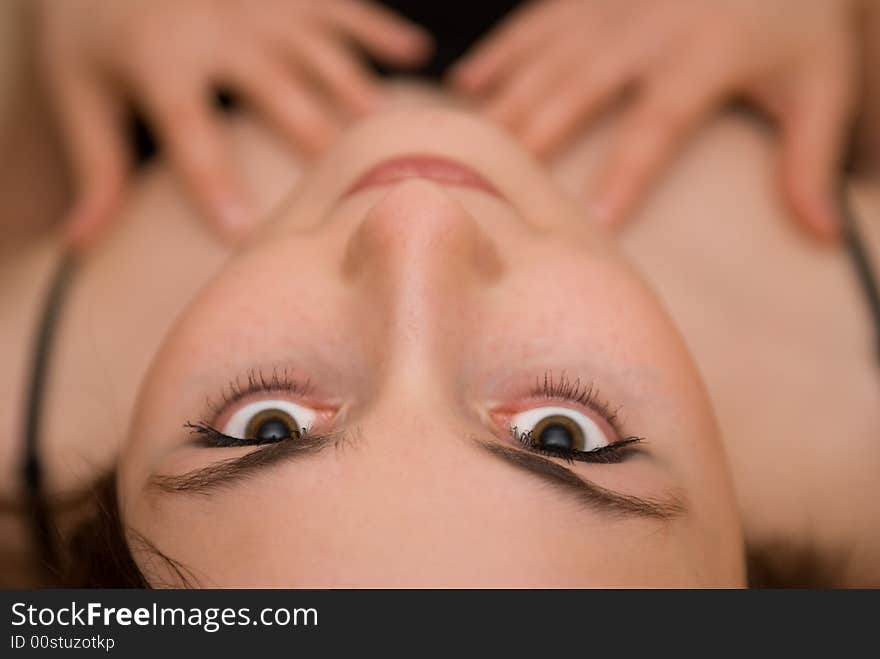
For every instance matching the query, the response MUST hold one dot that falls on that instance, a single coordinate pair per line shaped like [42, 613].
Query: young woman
[430, 368]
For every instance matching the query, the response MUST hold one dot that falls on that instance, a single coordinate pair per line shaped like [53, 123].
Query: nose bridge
[420, 419]
[417, 258]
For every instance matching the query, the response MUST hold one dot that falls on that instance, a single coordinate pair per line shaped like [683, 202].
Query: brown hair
[98, 553]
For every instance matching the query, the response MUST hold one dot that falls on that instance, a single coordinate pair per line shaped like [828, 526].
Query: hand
[291, 59]
[554, 64]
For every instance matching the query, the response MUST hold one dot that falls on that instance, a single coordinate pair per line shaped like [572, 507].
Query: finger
[284, 99]
[381, 32]
[650, 133]
[90, 122]
[814, 134]
[519, 94]
[519, 34]
[189, 131]
[573, 102]
[336, 68]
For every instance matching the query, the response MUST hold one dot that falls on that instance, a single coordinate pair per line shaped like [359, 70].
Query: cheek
[611, 315]
[257, 316]
[595, 321]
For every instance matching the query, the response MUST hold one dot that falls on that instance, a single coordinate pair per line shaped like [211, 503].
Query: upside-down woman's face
[447, 379]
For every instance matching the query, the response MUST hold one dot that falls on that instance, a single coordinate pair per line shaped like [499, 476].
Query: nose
[418, 261]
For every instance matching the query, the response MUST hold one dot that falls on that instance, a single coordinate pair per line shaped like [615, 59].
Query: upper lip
[426, 166]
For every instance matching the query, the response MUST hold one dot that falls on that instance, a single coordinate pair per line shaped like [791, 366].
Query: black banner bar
[286, 622]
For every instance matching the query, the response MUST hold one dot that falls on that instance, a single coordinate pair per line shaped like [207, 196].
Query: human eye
[264, 411]
[570, 423]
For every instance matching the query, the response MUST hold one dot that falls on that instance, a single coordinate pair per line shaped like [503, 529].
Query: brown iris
[558, 432]
[272, 425]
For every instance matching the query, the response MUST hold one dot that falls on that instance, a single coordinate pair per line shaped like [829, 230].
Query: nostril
[418, 227]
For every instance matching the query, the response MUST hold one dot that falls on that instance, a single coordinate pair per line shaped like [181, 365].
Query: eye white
[238, 422]
[525, 422]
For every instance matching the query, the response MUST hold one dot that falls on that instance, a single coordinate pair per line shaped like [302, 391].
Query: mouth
[424, 166]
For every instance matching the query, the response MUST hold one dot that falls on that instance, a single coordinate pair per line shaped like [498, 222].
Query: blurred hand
[554, 64]
[293, 60]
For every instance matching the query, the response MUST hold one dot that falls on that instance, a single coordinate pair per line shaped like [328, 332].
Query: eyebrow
[209, 478]
[227, 472]
[586, 492]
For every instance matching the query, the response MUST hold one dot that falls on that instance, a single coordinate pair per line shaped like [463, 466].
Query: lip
[425, 166]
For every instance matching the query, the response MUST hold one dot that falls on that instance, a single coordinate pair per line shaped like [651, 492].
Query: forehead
[394, 508]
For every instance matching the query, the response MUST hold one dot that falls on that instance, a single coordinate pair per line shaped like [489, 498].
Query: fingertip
[824, 220]
[829, 234]
[505, 112]
[817, 213]
[366, 98]
[312, 128]
[320, 139]
[78, 235]
[458, 77]
[600, 211]
[233, 216]
[467, 77]
[416, 44]
[410, 47]
[608, 203]
[539, 142]
[84, 222]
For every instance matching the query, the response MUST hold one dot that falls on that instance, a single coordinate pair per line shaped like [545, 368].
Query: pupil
[556, 435]
[273, 429]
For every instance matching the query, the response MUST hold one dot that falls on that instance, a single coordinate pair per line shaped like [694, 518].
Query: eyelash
[257, 382]
[613, 453]
[561, 388]
[210, 437]
[548, 387]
